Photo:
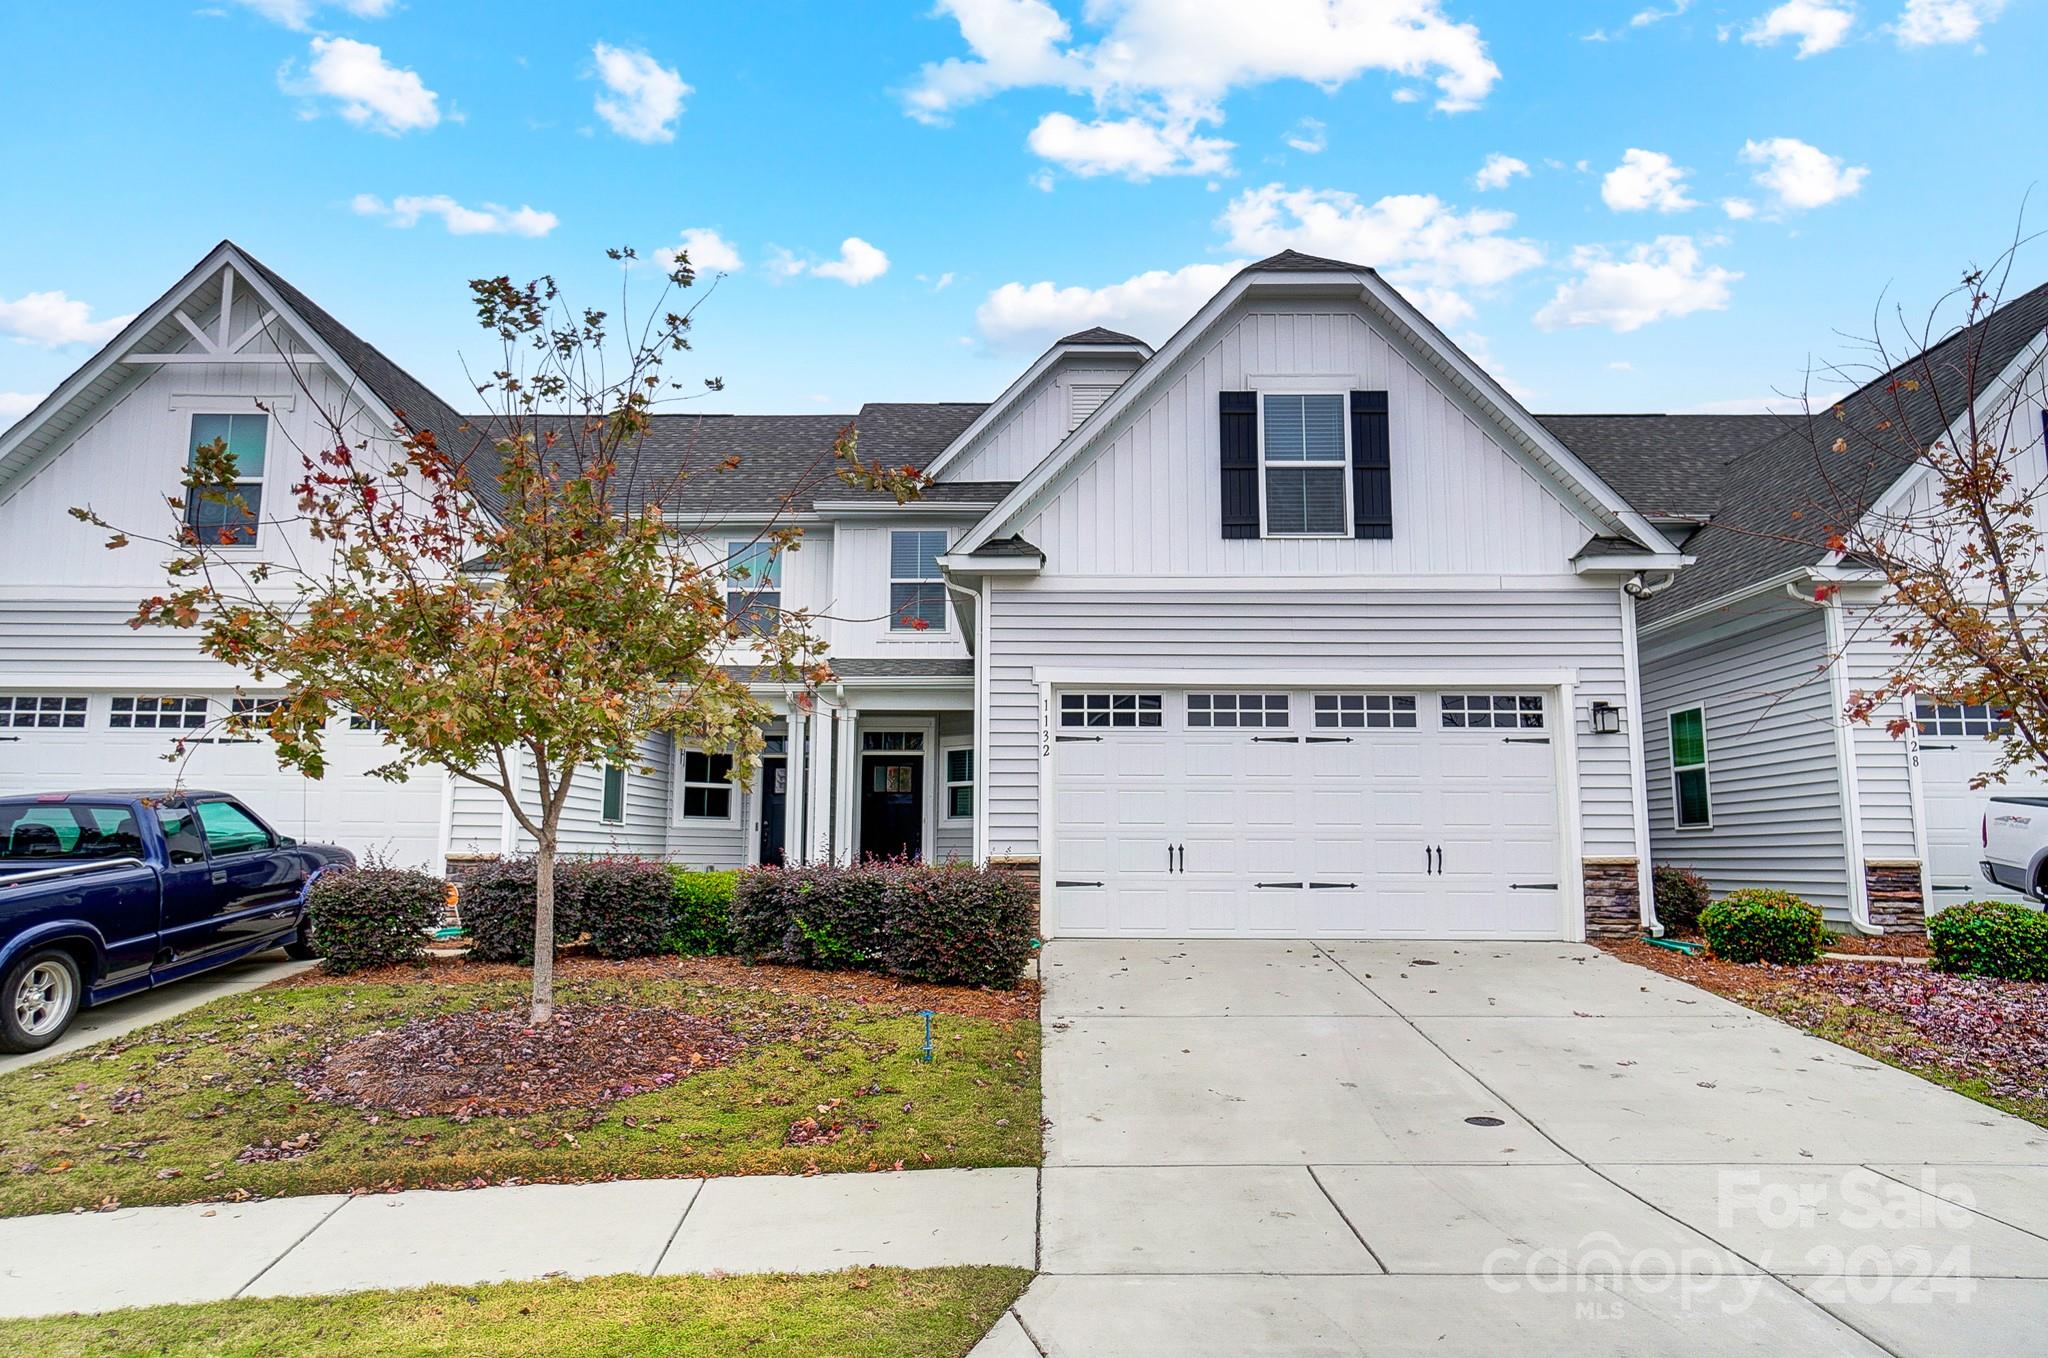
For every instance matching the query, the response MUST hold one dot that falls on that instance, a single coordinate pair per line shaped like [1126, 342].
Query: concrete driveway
[1287, 1148]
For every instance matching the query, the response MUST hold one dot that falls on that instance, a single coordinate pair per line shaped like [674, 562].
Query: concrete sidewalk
[145, 1256]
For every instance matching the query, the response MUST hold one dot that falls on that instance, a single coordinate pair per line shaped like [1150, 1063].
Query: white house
[1299, 625]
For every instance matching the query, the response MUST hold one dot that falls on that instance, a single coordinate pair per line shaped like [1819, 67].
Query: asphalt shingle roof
[1096, 334]
[1664, 465]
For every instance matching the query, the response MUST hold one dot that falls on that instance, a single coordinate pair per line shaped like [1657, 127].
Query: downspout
[1845, 755]
[1638, 764]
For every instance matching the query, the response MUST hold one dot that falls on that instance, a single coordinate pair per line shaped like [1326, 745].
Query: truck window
[181, 835]
[73, 830]
[230, 829]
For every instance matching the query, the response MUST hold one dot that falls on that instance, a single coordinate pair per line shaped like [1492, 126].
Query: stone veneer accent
[1614, 904]
[1896, 906]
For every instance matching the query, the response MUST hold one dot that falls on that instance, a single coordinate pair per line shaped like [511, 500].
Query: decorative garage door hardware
[1333, 886]
[1285, 886]
[1182, 850]
[1435, 851]
[1094, 738]
[1532, 886]
[1525, 740]
[1276, 740]
[1326, 740]
[1307, 886]
[1077, 884]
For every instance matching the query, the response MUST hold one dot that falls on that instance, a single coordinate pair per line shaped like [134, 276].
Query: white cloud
[1150, 305]
[1043, 180]
[15, 404]
[1819, 25]
[1621, 365]
[51, 319]
[1738, 209]
[1310, 136]
[1130, 147]
[492, 219]
[1646, 179]
[644, 97]
[1800, 176]
[1429, 248]
[858, 263]
[371, 91]
[1927, 23]
[1642, 18]
[709, 252]
[1646, 283]
[298, 14]
[1498, 170]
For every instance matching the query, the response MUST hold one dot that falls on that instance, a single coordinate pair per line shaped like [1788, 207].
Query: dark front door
[774, 804]
[891, 806]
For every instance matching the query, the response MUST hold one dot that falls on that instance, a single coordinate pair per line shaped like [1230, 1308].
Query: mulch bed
[1881, 945]
[859, 988]
[492, 1061]
[1969, 1027]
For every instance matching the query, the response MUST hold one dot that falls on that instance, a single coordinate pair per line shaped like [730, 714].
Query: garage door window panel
[1234, 710]
[1305, 465]
[1130, 711]
[1691, 798]
[1365, 711]
[1492, 711]
[141, 713]
[1980, 720]
[42, 711]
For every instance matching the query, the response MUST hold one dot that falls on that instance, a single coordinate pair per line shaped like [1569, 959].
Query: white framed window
[1692, 801]
[218, 518]
[1956, 719]
[1112, 709]
[141, 713]
[707, 786]
[1304, 464]
[959, 760]
[917, 595]
[1520, 711]
[1237, 709]
[891, 742]
[1366, 711]
[753, 586]
[613, 812]
[43, 711]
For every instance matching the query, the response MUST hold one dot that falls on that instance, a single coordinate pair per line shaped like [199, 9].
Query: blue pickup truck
[107, 893]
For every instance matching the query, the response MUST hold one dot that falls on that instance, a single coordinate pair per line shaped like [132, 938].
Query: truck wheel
[38, 1000]
[300, 949]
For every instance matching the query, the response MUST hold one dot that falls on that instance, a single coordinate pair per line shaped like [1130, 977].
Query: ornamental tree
[531, 604]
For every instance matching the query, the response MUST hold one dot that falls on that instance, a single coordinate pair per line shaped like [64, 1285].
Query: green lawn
[867, 1313]
[184, 1110]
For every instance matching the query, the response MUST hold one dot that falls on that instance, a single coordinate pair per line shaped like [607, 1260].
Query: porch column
[818, 814]
[798, 724]
[847, 779]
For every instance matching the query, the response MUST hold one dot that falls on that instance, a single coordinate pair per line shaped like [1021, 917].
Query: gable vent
[1083, 398]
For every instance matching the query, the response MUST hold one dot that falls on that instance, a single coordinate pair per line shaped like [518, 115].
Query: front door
[774, 806]
[891, 806]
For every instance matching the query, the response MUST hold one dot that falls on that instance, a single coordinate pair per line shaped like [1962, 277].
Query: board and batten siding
[1148, 502]
[859, 599]
[1443, 637]
[1884, 772]
[1035, 424]
[1776, 803]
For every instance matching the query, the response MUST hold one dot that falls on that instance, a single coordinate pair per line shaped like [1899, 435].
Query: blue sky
[1688, 200]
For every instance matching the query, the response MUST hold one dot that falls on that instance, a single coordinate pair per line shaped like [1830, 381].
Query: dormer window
[1305, 465]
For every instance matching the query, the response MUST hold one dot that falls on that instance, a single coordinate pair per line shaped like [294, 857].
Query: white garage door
[1953, 751]
[1305, 813]
[111, 744]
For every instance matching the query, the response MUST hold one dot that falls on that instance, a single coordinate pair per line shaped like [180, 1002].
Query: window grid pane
[1237, 709]
[1957, 719]
[159, 714]
[1146, 710]
[45, 711]
[1498, 711]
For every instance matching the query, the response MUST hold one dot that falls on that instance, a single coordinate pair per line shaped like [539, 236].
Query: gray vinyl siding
[477, 817]
[707, 843]
[1776, 802]
[955, 839]
[1444, 634]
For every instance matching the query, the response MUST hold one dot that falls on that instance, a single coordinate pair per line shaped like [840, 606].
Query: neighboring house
[1299, 626]
[1755, 779]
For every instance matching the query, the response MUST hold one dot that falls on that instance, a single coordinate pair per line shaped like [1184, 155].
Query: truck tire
[39, 997]
[301, 949]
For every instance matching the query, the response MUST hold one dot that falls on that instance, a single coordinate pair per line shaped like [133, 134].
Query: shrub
[955, 924]
[497, 910]
[372, 916]
[1991, 938]
[1680, 895]
[1759, 924]
[700, 912]
[623, 905]
[822, 915]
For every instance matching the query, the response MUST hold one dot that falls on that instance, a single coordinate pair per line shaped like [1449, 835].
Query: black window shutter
[1372, 474]
[1237, 426]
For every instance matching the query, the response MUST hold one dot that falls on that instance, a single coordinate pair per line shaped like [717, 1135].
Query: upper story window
[1305, 465]
[753, 586]
[216, 516]
[917, 596]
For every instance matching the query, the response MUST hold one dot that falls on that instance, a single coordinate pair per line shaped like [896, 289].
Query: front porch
[880, 762]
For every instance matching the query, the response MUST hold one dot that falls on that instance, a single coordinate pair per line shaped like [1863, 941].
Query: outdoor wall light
[1606, 719]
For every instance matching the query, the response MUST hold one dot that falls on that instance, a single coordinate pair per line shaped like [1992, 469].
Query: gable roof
[1557, 460]
[1096, 334]
[1778, 497]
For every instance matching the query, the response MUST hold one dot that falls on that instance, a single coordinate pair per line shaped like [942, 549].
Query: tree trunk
[544, 928]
